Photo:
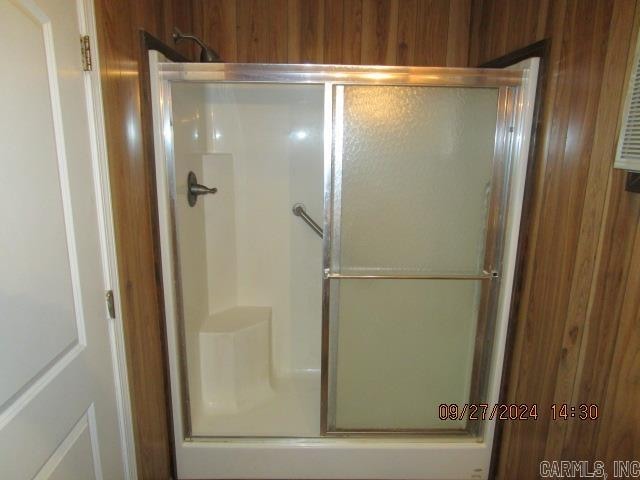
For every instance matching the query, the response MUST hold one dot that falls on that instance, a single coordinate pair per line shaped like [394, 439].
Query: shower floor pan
[292, 411]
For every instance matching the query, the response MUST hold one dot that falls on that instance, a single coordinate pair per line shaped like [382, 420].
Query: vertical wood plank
[458, 33]
[379, 32]
[407, 25]
[477, 36]
[215, 22]
[306, 31]
[252, 31]
[152, 23]
[541, 19]
[523, 25]
[483, 39]
[333, 31]
[497, 42]
[522, 32]
[278, 31]
[352, 32]
[432, 33]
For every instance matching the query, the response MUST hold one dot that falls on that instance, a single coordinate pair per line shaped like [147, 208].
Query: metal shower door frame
[510, 126]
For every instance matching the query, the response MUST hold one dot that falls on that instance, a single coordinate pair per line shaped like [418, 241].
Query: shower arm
[299, 210]
[207, 54]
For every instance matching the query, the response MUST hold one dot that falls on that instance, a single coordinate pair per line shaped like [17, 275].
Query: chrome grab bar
[300, 211]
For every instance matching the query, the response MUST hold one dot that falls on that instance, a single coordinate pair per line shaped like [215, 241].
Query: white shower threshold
[292, 411]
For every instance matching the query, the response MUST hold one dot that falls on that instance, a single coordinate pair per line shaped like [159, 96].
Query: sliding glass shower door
[415, 183]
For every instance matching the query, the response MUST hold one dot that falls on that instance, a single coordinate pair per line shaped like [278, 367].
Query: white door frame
[102, 186]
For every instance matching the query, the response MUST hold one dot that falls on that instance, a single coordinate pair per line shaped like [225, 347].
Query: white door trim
[101, 180]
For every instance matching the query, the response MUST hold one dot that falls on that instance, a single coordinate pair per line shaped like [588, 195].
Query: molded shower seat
[235, 359]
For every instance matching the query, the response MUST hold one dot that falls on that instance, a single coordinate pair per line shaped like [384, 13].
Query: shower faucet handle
[197, 189]
[194, 189]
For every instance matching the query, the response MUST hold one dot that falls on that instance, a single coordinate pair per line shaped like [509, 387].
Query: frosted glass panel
[404, 347]
[413, 183]
[416, 177]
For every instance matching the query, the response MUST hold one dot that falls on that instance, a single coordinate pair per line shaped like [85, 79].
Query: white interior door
[58, 411]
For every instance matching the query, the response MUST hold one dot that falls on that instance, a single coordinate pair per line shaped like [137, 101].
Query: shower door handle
[194, 189]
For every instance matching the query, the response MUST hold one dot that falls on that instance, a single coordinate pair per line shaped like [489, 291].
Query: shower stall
[338, 248]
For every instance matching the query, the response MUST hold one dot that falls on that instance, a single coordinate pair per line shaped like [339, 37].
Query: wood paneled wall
[578, 328]
[129, 147]
[372, 32]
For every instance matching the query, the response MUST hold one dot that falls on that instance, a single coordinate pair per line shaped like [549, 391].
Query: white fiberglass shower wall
[250, 268]
[338, 248]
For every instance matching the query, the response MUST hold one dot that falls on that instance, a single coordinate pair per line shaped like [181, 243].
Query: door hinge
[111, 306]
[85, 50]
